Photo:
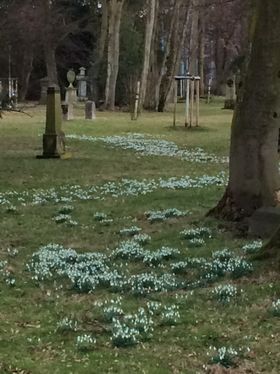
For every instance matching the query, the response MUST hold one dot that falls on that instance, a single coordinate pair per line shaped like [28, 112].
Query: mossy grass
[31, 310]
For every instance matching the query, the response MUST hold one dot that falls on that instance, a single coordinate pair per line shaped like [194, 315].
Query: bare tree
[114, 22]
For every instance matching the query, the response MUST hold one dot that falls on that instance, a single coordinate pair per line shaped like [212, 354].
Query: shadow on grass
[190, 129]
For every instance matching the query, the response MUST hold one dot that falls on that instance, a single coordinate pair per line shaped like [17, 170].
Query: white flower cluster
[85, 342]
[145, 283]
[224, 293]
[65, 218]
[163, 215]
[66, 324]
[154, 307]
[226, 356]
[132, 250]
[12, 252]
[123, 335]
[111, 308]
[223, 263]
[99, 216]
[6, 274]
[142, 239]
[156, 257]
[132, 328]
[252, 247]
[170, 315]
[197, 233]
[11, 208]
[130, 231]
[90, 270]
[147, 146]
[66, 209]
[275, 308]
[124, 188]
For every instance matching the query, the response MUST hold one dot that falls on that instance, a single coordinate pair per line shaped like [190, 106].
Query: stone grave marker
[90, 110]
[70, 96]
[53, 138]
[230, 99]
[82, 84]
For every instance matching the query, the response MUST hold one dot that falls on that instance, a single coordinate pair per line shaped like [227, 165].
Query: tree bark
[178, 36]
[150, 26]
[98, 55]
[114, 21]
[194, 40]
[254, 175]
[201, 48]
[26, 71]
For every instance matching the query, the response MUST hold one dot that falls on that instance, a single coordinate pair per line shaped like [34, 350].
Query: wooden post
[197, 100]
[187, 111]
[192, 102]
[175, 102]
[136, 106]
[209, 91]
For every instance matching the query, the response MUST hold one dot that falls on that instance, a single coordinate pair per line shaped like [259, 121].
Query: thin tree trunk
[254, 175]
[114, 18]
[98, 55]
[173, 59]
[202, 48]
[162, 69]
[27, 68]
[150, 26]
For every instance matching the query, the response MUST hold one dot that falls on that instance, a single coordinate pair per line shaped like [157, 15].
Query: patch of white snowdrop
[148, 146]
[124, 188]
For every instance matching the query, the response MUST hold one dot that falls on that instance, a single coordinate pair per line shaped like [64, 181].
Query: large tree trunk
[178, 36]
[254, 175]
[158, 66]
[194, 40]
[150, 26]
[114, 18]
[98, 55]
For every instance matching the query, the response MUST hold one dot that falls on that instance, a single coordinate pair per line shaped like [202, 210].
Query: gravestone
[53, 138]
[230, 99]
[44, 83]
[70, 96]
[90, 110]
[264, 222]
[82, 84]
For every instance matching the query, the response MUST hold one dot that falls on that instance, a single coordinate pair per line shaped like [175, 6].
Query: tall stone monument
[70, 95]
[53, 138]
[82, 85]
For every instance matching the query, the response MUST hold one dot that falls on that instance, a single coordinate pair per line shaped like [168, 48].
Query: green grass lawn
[33, 192]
